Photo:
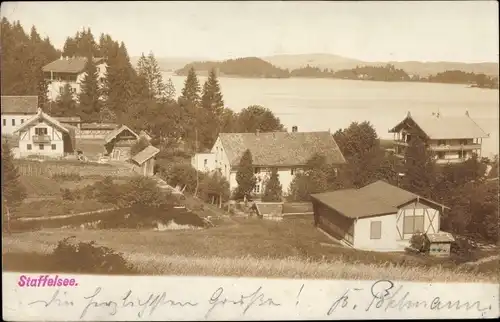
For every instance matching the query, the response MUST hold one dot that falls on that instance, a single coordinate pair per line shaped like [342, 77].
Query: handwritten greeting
[379, 296]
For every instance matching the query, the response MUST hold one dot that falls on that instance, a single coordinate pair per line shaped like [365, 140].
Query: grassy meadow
[242, 247]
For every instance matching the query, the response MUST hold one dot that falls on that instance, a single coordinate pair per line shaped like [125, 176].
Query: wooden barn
[144, 161]
[119, 142]
[377, 217]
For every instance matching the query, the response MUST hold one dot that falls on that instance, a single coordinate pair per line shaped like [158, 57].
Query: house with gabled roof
[43, 135]
[16, 110]
[378, 217]
[118, 143]
[288, 152]
[452, 139]
[69, 70]
[144, 161]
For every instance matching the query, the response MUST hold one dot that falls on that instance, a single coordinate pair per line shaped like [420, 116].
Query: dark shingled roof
[68, 119]
[378, 198]
[99, 126]
[69, 65]
[281, 148]
[19, 104]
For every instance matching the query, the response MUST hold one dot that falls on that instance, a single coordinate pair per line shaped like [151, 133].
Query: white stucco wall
[8, 127]
[204, 162]
[221, 161]
[389, 236]
[56, 138]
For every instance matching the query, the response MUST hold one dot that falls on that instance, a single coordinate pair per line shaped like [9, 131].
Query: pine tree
[191, 92]
[13, 192]
[212, 97]
[273, 190]
[419, 167]
[65, 104]
[89, 96]
[245, 176]
[170, 90]
[148, 69]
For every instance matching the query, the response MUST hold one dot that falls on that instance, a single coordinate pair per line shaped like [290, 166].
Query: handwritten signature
[384, 295]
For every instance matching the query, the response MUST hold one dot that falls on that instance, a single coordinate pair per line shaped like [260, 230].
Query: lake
[330, 104]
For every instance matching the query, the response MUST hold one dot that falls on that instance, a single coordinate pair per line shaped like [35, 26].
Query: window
[408, 138]
[40, 146]
[13, 122]
[440, 155]
[205, 162]
[53, 146]
[256, 189]
[375, 230]
[256, 170]
[41, 131]
[61, 89]
[28, 147]
[22, 121]
[413, 224]
[4, 122]
[441, 142]
[292, 171]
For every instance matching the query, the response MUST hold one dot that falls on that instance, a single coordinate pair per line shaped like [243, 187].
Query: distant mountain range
[336, 62]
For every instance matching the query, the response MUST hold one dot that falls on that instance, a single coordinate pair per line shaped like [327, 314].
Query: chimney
[466, 113]
[408, 114]
[257, 131]
[294, 128]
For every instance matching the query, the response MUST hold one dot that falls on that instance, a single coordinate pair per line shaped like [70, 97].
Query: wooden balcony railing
[41, 139]
[455, 147]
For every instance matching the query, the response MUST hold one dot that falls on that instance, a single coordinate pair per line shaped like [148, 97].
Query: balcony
[456, 147]
[41, 139]
[400, 142]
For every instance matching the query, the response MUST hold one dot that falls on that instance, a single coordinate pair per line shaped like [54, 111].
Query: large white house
[452, 139]
[379, 217]
[69, 70]
[16, 110]
[43, 135]
[288, 152]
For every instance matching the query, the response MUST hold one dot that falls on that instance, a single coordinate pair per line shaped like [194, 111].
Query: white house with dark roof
[43, 135]
[288, 152]
[69, 70]
[377, 217]
[452, 139]
[16, 110]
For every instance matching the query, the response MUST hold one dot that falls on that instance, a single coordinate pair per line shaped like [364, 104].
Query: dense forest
[251, 67]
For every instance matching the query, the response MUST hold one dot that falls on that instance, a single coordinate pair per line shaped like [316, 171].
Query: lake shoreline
[205, 74]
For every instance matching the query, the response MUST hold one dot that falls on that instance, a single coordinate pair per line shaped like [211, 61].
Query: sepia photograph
[281, 141]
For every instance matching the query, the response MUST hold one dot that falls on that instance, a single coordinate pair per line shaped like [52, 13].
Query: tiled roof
[441, 237]
[269, 209]
[117, 131]
[19, 104]
[68, 65]
[378, 198]
[281, 148]
[42, 116]
[445, 127]
[99, 126]
[146, 154]
[68, 119]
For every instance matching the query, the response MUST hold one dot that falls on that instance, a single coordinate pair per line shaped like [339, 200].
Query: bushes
[181, 174]
[420, 242]
[84, 257]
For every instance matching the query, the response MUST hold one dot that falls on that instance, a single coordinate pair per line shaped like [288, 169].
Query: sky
[461, 31]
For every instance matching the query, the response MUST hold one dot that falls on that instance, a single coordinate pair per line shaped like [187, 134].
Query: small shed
[119, 142]
[269, 210]
[144, 161]
[440, 244]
